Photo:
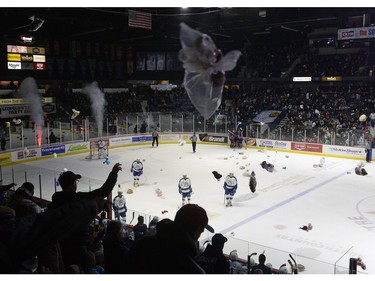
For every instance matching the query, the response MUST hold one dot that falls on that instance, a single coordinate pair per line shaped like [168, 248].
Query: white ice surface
[338, 203]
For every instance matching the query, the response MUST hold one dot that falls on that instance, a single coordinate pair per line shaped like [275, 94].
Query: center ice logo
[366, 211]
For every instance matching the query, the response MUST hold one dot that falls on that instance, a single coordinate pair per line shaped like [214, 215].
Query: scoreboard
[26, 57]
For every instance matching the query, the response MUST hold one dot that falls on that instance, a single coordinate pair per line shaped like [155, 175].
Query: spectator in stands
[261, 266]
[74, 248]
[3, 140]
[4, 188]
[235, 266]
[94, 268]
[140, 229]
[212, 260]
[23, 201]
[115, 249]
[52, 137]
[152, 225]
[143, 127]
[102, 220]
[173, 248]
[27, 236]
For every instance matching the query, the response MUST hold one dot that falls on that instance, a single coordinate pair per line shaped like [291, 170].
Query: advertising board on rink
[120, 141]
[169, 138]
[58, 149]
[348, 151]
[212, 138]
[142, 139]
[23, 154]
[77, 147]
[273, 144]
[310, 147]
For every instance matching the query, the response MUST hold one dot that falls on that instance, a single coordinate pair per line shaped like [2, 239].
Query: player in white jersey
[137, 170]
[230, 187]
[184, 188]
[119, 206]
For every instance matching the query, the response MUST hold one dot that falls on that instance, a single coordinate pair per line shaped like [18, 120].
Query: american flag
[140, 19]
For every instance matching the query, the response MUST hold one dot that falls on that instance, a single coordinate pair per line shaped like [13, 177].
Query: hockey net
[94, 152]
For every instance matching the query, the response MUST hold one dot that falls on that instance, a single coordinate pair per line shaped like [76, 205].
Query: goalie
[102, 149]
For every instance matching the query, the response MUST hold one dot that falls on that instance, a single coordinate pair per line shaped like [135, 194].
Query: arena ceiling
[227, 26]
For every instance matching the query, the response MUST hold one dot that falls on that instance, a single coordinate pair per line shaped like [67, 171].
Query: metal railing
[85, 128]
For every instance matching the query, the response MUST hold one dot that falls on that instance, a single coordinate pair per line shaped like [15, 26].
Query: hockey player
[137, 170]
[102, 148]
[230, 187]
[184, 188]
[119, 206]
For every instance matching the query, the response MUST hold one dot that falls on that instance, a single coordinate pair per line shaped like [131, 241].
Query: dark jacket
[115, 255]
[170, 251]
[212, 260]
[140, 230]
[74, 248]
[265, 269]
[26, 237]
[62, 197]
[4, 188]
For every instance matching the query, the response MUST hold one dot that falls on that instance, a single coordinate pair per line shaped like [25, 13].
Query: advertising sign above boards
[26, 57]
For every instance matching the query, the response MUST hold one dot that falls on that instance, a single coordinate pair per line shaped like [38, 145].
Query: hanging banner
[356, 33]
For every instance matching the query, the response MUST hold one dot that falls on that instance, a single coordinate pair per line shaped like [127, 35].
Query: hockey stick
[248, 262]
[132, 218]
[295, 268]
[291, 265]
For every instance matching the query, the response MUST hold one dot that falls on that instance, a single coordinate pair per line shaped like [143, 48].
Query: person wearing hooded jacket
[172, 250]
[212, 260]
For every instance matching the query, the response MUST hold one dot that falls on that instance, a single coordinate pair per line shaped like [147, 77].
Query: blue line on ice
[282, 203]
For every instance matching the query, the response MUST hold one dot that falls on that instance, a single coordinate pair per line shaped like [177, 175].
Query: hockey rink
[339, 204]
